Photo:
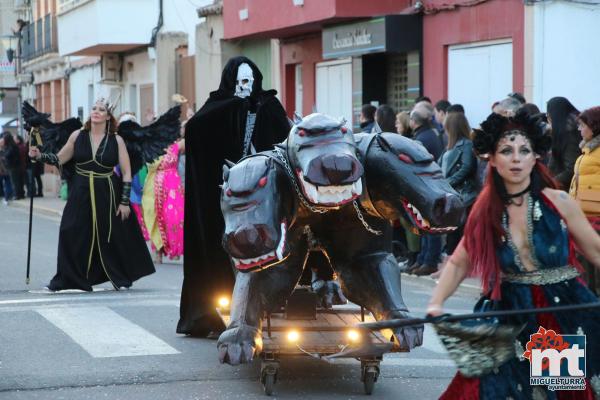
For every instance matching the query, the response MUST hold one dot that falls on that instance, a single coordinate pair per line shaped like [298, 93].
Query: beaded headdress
[496, 126]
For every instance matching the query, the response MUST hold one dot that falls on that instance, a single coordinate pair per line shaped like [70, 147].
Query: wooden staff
[34, 141]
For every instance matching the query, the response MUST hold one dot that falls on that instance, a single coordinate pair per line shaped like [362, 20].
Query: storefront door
[479, 74]
[334, 89]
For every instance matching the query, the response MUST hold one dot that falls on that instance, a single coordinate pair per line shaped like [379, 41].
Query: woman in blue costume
[519, 240]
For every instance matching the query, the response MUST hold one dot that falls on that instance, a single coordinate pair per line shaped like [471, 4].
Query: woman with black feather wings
[98, 242]
[239, 118]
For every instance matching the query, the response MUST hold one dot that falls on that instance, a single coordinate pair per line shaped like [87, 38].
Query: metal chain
[312, 208]
[364, 222]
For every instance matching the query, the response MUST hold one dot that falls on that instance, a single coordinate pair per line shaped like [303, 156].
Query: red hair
[484, 231]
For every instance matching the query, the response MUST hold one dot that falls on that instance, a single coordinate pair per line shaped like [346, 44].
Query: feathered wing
[146, 144]
[53, 135]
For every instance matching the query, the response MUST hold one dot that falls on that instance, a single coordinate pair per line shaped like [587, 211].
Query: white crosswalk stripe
[103, 333]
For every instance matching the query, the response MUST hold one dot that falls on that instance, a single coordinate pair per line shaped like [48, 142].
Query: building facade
[314, 77]
[48, 86]
[8, 63]
[213, 52]
[141, 64]
[473, 52]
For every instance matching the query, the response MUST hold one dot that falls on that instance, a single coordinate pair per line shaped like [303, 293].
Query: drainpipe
[158, 25]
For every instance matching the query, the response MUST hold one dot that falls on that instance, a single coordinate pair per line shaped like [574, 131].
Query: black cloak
[565, 140]
[215, 133]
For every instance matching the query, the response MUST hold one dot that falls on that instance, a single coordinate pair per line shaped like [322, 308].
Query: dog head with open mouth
[323, 156]
[404, 182]
[257, 205]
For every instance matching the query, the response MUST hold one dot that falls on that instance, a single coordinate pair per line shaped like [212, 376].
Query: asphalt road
[123, 345]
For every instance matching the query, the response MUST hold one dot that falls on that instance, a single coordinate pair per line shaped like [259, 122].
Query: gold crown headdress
[107, 102]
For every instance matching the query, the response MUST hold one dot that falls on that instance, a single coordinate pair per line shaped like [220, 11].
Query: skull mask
[244, 81]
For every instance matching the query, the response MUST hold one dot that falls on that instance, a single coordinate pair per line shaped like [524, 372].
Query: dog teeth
[357, 187]
[330, 194]
[241, 261]
[281, 245]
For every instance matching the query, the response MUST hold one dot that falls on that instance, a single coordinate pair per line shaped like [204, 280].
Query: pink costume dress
[164, 214]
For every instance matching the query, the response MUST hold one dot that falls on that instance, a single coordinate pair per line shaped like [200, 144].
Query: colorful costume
[555, 283]
[137, 189]
[163, 204]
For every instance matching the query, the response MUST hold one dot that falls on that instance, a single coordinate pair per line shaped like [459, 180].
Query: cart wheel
[268, 375]
[369, 374]
[269, 384]
[369, 381]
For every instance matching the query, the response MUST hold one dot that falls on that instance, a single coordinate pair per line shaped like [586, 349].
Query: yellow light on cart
[223, 302]
[353, 335]
[293, 336]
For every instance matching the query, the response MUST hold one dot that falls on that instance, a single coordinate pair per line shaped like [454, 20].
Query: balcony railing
[39, 38]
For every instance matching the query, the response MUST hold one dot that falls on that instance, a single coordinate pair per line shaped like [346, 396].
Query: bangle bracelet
[126, 193]
[49, 158]
[433, 308]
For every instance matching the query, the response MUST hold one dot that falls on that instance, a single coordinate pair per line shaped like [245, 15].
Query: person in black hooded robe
[239, 118]
[562, 116]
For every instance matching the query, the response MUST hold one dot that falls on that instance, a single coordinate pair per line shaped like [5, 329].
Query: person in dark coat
[237, 119]
[20, 191]
[367, 118]
[430, 138]
[386, 118]
[12, 160]
[562, 116]
[5, 184]
[459, 166]
[420, 122]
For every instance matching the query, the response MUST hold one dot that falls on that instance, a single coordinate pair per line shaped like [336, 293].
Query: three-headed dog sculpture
[342, 191]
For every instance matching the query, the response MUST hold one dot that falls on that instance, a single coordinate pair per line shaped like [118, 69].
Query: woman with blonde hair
[403, 124]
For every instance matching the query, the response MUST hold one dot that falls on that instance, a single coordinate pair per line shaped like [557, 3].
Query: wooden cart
[327, 336]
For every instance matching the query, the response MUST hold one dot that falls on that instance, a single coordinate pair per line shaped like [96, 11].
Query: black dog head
[404, 181]
[322, 153]
[257, 207]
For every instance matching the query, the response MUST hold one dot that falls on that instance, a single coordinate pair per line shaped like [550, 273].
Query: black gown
[94, 244]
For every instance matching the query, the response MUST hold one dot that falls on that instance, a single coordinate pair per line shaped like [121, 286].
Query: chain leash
[312, 208]
[363, 221]
[288, 169]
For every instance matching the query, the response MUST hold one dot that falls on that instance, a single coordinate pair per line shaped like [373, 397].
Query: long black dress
[95, 245]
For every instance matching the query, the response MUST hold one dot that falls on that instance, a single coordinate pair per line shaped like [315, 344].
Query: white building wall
[566, 59]
[182, 16]
[79, 81]
[209, 56]
[106, 22]
[85, 87]
[138, 69]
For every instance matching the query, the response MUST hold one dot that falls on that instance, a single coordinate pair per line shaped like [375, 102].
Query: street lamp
[15, 55]
[7, 44]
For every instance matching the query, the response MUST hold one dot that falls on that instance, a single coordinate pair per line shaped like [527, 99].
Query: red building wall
[306, 51]
[280, 18]
[494, 19]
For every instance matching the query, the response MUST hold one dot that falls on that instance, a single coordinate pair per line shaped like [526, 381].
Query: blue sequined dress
[555, 283]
